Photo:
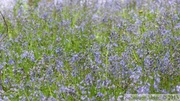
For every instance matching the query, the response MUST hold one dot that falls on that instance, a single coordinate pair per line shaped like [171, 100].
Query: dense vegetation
[81, 51]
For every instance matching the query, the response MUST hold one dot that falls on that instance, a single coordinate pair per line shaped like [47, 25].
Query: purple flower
[51, 99]
[155, 85]
[177, 26]
[74, 58]
[166, 41]
[6, 81]
[135, 76]
[89, 79]
[59, 51]
[24, 54]
[178, 89]
[147, 61]
[59, 64]
[144, 89]
[62, 89]
[122, 63]
[175, 18]
[45, 15]
[140, 53]
[164, 91]
[99, 94]
[1, 66]
[166, 59]
[31, 56]
[106, 82]
[83, 97]
[97, 57]
[98, 84]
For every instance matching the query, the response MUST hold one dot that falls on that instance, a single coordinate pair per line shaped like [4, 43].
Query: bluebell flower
[177, 26]
[51, 99]
[99, 94]
[178, 89]
[144, 89]
[83, 97]
[1, 66]
[24, 54]
[106, 83]
[166, 60]
[122, 63]
[147, 61]
[89, 79]
[31, 56]
[74, 58]
[97, 57]
[166, 41]
[59, 64]
[6, 81]
[164, 91]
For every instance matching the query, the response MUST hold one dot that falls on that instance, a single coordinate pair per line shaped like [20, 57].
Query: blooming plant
[84, 50]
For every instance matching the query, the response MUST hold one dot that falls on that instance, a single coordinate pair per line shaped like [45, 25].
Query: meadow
[89, 51]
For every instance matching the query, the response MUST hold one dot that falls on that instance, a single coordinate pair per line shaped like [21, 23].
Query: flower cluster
[91, 51]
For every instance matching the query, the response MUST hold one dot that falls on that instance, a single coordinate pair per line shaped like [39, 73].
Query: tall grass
[75, 51]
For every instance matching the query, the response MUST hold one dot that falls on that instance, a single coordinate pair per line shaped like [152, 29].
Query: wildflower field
[86, 51]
